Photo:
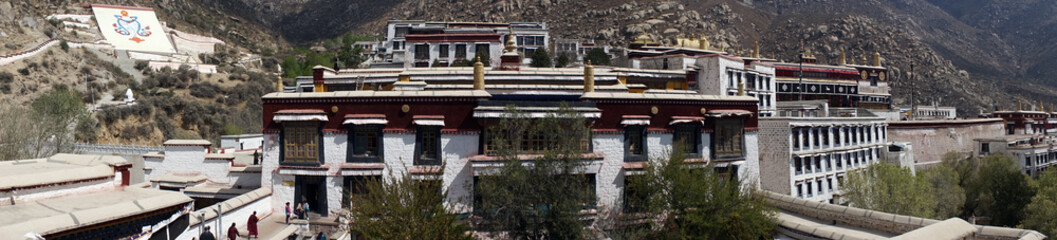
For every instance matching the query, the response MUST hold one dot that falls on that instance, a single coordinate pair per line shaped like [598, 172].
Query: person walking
[206, 235]
[307, 210]
[251, 226]
[299, 211]
[233, 232]
[287, 212]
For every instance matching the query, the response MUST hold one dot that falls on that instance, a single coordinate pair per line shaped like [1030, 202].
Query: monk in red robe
[233, 232]
[251, 225]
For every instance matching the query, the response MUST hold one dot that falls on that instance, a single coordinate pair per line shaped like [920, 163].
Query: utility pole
[913, 106]
[220, 213]
[800, 86]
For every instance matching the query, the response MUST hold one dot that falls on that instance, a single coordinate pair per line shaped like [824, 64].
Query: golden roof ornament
[843, 58]
[589, 77]
[510, 44]
[876, 58]
[643, 39]
[756, 49]
[703, 43]
[478, 75]
[279, 84]
[741, 89]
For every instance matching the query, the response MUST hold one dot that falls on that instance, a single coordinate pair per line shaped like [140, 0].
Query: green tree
[562, 61]
[485, 59]
[889, 188]
[698, 203]
[1003, 191]
[1043, 206]
[43, 129]
[597, 56]
[404, 208]
[946, 193]
[291, 67]
[540, 58]
[351, 56]
[967, 170]
[544, 200]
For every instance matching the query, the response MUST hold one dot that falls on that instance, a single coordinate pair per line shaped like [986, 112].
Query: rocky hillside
[177, 103]
[974, 54]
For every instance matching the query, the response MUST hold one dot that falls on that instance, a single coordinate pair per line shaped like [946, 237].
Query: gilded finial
[589, 77]
[877, 59]
[279, 84]
[756, 49]
[510, 44]
[843, 58]
[862, 61]
[478, 75]
[703, 43]
[741, 89]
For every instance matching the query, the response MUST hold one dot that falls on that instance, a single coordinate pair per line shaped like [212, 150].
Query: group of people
[233, 232]
[299, 212]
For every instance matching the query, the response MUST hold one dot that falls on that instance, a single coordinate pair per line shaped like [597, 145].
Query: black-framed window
[443, 50]
[635, 194]
[729, 138]
[365, 143]
[799, 165]
[836, 136]
[635, 143]
[688, 137]
[427, 145]
[421, 52]
[460, 51]
[824, 132]
[357, 186]
[301, 143]
[483, 47]
[839, 161]
[985, 148]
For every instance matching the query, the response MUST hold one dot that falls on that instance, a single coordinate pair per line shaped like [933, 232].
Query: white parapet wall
[236, 210]
[202, 68]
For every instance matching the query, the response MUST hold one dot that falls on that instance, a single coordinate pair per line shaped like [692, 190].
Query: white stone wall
[458, 172]
[774, 149]
[187, 159]
[957, 138]
[609, 182]
[270, 177]
[241, 142]
[749, 171]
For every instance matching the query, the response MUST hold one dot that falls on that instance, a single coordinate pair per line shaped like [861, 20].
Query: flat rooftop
[808, 225]
[64, 213]
[59, 168]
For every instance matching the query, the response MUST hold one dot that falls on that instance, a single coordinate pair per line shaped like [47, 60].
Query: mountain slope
[973, 54]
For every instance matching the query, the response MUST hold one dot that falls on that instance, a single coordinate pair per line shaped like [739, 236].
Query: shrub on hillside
[205, 90]
[140, 65]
